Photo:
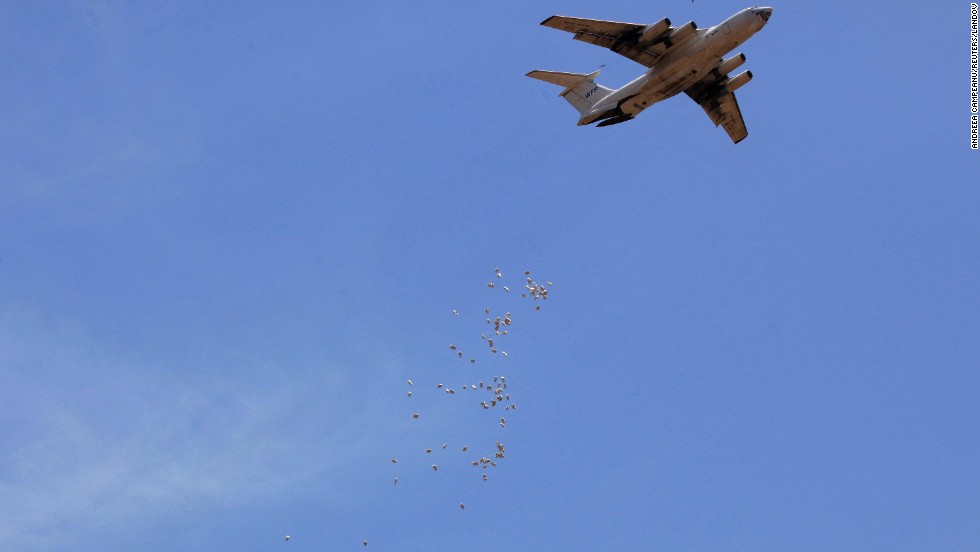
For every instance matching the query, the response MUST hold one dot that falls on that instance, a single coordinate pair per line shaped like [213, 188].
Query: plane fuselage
[681, 66]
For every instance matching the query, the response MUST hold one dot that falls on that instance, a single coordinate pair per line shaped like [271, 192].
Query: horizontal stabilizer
[615, 120]
[566, 80]
[578, 88]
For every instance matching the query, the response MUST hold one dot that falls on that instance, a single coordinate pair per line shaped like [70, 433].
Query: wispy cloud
[92, 439]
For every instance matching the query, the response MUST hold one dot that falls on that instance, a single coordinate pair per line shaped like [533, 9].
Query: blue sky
[229, 233]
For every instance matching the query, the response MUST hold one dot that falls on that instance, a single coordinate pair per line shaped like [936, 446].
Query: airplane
[680, 59]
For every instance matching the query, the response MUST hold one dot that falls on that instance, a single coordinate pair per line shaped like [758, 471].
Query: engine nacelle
[653, 32]
[738, 80]
[681, 33]
[731, 64]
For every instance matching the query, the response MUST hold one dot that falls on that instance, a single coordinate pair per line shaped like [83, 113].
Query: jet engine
[731, 64]
[737, 81]
[681, 33]
[653, 32]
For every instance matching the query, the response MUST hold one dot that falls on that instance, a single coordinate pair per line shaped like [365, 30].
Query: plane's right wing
[721, 106]
[622, 38]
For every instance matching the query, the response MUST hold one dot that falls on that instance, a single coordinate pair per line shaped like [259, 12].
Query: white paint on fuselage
[681, 66]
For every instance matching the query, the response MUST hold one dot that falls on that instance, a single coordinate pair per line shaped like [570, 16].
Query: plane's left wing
[622, 38]
[598, 27]
[721, 106]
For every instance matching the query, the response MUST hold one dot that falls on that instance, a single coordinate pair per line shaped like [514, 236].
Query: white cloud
[94, 440]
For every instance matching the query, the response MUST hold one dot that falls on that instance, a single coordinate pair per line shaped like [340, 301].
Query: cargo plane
[680, 59]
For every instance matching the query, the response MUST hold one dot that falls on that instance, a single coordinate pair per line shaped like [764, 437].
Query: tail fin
[580, 90]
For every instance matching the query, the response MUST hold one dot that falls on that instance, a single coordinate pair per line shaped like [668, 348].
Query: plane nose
[764, 13]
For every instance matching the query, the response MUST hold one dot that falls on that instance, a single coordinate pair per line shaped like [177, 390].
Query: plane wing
[595, 26]
[720, 105]
[622, 38]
